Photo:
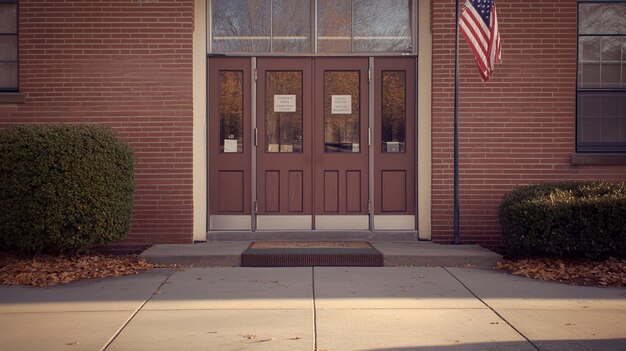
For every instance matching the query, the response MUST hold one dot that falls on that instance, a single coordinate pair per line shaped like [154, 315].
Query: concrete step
[313, 235]
[228, 253]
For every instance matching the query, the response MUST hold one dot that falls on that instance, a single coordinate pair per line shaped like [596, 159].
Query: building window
[8, 45]
[315, 26]
[601, 88]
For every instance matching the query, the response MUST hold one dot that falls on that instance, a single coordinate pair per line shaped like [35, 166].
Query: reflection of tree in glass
[231, 107]
[290, 26]
[393, 109]
[334, 25]
[341, 131]
[383, 25]
[241, 18]
[283, 129]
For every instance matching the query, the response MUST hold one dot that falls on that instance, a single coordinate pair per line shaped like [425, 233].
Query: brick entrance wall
[517, 129]
[128, 65]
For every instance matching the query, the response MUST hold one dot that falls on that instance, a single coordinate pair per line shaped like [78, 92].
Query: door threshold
[313, 235]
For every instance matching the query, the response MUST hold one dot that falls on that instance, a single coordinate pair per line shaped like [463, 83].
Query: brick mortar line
[132, 316]
[493, 310]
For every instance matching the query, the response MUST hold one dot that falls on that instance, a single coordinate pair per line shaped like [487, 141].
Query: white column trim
[424, 93]
[199, 123]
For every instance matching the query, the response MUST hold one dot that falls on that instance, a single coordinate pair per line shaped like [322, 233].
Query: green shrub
[63, 188]
[565, 219]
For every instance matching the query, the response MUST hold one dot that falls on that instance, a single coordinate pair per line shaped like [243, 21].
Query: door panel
[394, 143]
[341, 137]
[284, 139]
[228, 144]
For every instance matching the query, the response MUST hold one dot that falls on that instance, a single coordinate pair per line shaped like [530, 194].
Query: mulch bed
[46, 270]
[608, 273]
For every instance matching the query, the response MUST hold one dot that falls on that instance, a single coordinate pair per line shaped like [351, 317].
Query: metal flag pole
[456, 126]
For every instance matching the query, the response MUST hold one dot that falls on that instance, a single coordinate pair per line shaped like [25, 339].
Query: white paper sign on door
[341, 104]
[230, 145]
[284, 103]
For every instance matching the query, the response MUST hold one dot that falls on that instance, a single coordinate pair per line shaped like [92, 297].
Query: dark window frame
[17, 36]
[602, 147]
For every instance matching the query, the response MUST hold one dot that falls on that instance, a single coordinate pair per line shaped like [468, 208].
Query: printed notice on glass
[230, 145]
[341, 105]
[284, 103]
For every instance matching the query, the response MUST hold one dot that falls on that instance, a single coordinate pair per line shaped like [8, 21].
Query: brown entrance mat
[311, 253]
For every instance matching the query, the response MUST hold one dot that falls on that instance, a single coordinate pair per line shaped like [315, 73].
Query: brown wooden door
[394, 143]
[284, 149]
[341, 143]
[229, 146]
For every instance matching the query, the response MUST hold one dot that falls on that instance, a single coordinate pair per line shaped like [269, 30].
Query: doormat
[311, 253]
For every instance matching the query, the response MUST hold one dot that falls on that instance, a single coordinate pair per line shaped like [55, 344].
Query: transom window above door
[314, 26]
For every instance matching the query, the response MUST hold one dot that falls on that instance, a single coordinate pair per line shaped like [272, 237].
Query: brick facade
[128, 65]
[517, 129]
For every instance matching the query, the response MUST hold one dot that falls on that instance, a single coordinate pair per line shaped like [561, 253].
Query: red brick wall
[517, 129]
[128, 65]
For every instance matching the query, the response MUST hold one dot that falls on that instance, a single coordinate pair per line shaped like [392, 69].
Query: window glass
[363, 26]
[8, 47]
[601, 121]
[291, 26]
[381, 25]
[283, 117]
[394, 111]
[241, 25]
[601, 111]
[341, 111]
[334, 25]
[285, 26]
[231, 111]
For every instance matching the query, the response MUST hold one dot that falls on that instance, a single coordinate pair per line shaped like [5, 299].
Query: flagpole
[456, 125]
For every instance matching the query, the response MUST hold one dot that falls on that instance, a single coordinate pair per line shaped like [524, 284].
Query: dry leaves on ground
[52, 270]
[610, 272]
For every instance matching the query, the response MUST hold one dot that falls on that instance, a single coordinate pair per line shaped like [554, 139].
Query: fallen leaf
[610, 272]
[264, 340]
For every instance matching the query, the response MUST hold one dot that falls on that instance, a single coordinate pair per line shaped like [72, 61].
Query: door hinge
[369, 136]
[369, 75]
[256, 207]
[255, 75]
[256, 136]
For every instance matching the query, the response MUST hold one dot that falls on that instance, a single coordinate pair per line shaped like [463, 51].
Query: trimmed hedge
[63, 188]
[565, 219]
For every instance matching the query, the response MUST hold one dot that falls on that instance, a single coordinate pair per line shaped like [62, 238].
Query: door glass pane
[241, 25]
[231, 111]
[341, 111]
[334, 25]
[381, 25]
[291, 26]
[394, 111]
[283, 117]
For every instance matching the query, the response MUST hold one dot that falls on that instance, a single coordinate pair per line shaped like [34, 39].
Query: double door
[311, 143]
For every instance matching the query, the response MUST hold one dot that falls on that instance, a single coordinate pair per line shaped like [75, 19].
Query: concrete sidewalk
[335, 308]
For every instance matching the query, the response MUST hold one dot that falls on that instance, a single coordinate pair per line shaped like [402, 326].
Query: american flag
[479, 25]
